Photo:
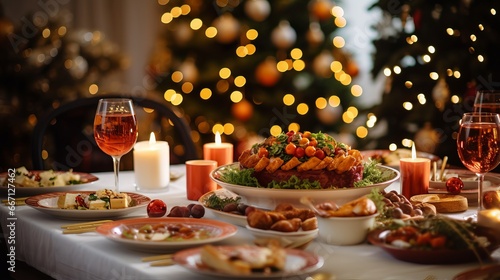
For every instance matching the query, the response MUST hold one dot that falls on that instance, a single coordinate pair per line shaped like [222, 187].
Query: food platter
[391, 158]
[468, 178]
[437, 256]
[298, 262]
[295, 239]
[5, 188]
[47, 203]
[269, 198]
[218, 231]
[235, 219]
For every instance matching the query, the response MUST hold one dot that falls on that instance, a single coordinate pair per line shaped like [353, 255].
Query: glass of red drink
[487, 101]
[115, 129]
[478, 145]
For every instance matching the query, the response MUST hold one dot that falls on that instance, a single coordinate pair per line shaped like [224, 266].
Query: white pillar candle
[152, 164]
[222, 153]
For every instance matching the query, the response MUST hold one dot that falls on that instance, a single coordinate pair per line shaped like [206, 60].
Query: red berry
[454, 185]
[156, 208]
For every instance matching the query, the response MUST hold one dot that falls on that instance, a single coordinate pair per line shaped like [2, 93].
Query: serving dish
[437, 256]
[296, 239]
[47, 203]
[5, 188]
[268, 198]
[298, 262]
[235, 219]
[391, 158]
[468, 178]
[344, 231]
[218, 231]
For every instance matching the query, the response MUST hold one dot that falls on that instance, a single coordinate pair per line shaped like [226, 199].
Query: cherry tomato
[304, 142]
[313, 142]
[299, 152]
[156, 208]
[320, 154]
[290, 149]
[310, 151]
[263, 152]
[290, 133]
[454, 185]
[306, 134]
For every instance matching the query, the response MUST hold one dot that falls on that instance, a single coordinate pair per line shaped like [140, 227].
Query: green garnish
[373, 175]
[295, 183]
[218, 203]
[239, 177]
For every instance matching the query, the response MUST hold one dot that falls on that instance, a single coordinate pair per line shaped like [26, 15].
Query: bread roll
[444, 203]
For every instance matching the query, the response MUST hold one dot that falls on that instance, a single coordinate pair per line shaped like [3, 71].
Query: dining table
[40, 242]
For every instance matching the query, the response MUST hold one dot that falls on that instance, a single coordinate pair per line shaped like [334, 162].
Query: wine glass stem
[480, 178]
[116, 169]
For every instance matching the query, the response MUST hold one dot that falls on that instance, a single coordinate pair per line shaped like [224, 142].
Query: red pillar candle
[222, 153]
[415, 175]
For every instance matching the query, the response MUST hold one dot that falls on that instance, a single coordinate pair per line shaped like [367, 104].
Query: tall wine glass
[115, 130]
[478, 145]
[487, 101]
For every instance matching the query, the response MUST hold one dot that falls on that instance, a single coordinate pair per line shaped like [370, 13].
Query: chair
[66, 133]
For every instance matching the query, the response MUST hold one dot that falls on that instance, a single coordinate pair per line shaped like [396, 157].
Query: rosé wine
[479, 146]
[115, 134]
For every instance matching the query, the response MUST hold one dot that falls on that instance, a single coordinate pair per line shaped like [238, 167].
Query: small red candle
[415, 175]
[222, 153]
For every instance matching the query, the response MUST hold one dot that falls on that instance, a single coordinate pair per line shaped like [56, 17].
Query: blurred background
[373, 74]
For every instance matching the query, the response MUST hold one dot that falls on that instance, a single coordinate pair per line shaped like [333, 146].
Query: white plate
[296, 239]
[269, 198]
[8, 189]
[235, 219]
[469, 178]
[113, 231]
[298, 262]
[47, 203]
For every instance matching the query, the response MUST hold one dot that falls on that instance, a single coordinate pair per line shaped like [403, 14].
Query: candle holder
[222, 153]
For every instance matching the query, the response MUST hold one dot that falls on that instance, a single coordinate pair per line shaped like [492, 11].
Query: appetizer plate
[47, 203]
[269, 198]
[487, 272]
[469, 178]
[440, 256]
[298, 262]
[235, 219]
[8, 189]
[391, 158]
[218, 231]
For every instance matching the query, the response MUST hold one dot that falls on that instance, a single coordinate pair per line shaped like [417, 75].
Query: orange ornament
[322, 9]
[242, 110]
[266, 73]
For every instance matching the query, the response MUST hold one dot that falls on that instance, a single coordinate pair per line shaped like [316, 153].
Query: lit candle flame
[152, 139]
[218, 139]
[413, 151]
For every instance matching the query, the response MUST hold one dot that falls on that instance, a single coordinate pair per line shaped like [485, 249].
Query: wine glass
[487, 101]
[115, 130]
[478, 145]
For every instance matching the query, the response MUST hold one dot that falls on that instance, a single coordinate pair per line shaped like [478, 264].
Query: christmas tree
[435, 55]
[44, 63]
[256, 67]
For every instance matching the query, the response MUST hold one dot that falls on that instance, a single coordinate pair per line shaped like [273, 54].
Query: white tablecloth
[41, 244]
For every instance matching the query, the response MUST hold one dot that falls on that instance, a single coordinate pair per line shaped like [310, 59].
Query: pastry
[444, 203]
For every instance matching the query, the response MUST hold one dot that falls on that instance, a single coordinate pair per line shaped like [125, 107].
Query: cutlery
[83, 227]
[160, 260]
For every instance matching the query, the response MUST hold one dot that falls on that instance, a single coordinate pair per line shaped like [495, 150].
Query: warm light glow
[185, 9]
[473, 37]
[337, 11]
[252, 34]
[275, 130]
[211, 32]
[407, 105]
[218, 139]
[393, 147]
[169, 93]
[361, 132]
[449, 31]
[46, 33]
[205, 93]
[321, 103]
[426, 58]
[296, 53]
[218, 129]
[456, 74]
[225, 73]
[288, 99]
[93, 88]
[455, 99]
[187, 87]
[387, 72]
[236, 96]
[294, 127]
[61, 31]
[338, 42]
[480, 58]
[421, 98]
[334, 101]
[282, 66]
[396, 69]
[493, 11]
[177, 99]
[196, 24]
[336, 66]
[340, 22]
[302, 108]
[299, 65]
[228, 128]
[177, 76]
[240, 81]
[434, 75]
[241, 51]
[166, 18]
[356, 90]
[251, 49]
[408, 84]
[431, 49]
[152, 138]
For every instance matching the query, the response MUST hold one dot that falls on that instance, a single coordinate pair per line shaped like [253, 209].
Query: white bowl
[345, 230]
[270, 198]
[296, 239]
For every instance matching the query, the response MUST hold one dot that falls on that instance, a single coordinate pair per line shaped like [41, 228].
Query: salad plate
[213, 231]
[437, 256]
[268, 198]
[47, 203]
[298, 262]
[8, 187]
[235, 219]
